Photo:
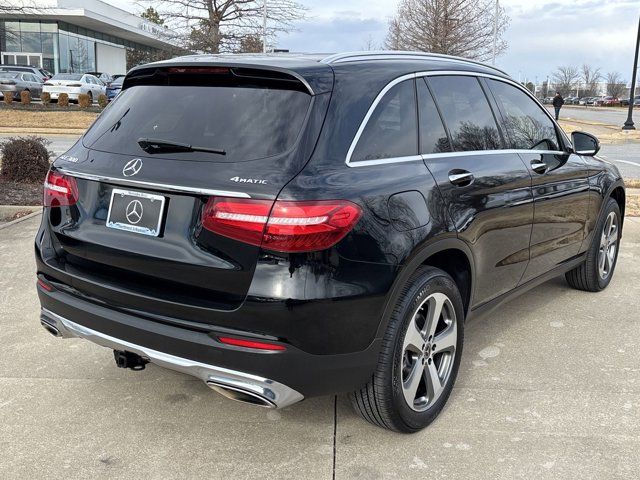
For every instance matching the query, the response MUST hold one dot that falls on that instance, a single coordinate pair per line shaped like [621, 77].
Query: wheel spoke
[611, 255]
[607, 225]
[434, 385]
[413, 340]
[603, 240]
[446, 340]
[607, 263]
[602, 259]
[410, 385]
[436, 303]
[613, 232]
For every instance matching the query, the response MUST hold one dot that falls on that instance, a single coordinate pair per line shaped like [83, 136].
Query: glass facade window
[59, 47]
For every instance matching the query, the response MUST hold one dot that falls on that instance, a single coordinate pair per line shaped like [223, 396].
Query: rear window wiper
[154, 145]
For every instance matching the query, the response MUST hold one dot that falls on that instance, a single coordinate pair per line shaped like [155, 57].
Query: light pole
[264, 26]
[495, 33]
[628, 125]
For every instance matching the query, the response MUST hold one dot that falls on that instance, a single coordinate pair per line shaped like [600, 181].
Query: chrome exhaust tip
[241, 395]
[50, 328]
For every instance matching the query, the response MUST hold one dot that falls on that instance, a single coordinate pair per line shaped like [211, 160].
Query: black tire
[90, 98]
[587, 276]
[382, 400]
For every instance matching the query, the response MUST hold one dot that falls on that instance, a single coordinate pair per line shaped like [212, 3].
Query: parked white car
[73, 84]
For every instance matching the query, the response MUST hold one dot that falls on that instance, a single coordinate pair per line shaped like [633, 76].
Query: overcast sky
[542, 35]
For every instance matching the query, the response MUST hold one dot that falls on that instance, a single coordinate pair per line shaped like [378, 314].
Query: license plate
[136, 212]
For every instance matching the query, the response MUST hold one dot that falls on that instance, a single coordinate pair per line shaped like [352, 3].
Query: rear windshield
[67, 76]
[248, 123]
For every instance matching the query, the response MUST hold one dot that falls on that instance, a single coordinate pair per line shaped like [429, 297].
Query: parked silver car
[15, 82]
[74, 84]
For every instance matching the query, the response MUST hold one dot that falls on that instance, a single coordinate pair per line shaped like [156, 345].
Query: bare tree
[615, 85]
[590, 77]
[250, 44]
[455, 27]
[565, 78]
[369, 44]
[215, 26]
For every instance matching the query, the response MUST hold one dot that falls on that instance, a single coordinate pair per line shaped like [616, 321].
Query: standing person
[558, 102]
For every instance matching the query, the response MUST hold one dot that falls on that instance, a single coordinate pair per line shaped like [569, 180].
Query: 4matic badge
[248, 180]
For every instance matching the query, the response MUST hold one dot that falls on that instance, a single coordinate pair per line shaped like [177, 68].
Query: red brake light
[60, 190]
[283, 226]
[238, 342]
[222, 70]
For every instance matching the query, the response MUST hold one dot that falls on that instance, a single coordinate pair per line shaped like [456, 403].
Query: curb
[43, 131]
[21, 219]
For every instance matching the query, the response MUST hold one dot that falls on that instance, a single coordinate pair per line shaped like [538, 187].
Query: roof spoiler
[312, 82]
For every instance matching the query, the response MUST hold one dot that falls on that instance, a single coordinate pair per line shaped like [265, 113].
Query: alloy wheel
[428, 351]
[608, 246]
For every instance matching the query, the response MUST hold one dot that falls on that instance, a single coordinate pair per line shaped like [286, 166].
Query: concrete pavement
[549, 388]
[609, 115]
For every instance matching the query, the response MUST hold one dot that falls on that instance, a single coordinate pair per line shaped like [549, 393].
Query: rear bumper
[280, 377]
[55, 94]
[272, 394]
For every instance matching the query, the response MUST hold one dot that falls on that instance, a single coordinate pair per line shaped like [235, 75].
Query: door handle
[538, 166]
[460, 178]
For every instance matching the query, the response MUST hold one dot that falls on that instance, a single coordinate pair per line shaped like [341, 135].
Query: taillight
[239, 342]
[60, 190]
[283, 226]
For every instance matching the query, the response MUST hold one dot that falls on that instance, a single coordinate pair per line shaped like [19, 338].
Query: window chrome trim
[430, 156]
[156, 186]
[372, 108]
[425, 156]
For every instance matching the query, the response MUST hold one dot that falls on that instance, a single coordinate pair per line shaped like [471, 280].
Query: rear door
[559, 179]
[487, 188]
[170, 263]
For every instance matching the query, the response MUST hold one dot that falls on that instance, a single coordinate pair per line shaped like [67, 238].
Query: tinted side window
[466, 112]
[527, 126]
[433, 136]
[392, 129]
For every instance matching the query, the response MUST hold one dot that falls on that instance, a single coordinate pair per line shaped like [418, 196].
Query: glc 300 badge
[132, 167]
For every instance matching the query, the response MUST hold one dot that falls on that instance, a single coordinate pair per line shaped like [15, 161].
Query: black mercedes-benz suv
[284, 226]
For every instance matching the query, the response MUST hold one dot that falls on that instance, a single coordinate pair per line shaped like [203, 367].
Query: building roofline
[400, 55]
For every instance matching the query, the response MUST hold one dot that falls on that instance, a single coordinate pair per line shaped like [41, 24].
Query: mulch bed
[52, 107]
[13, 193]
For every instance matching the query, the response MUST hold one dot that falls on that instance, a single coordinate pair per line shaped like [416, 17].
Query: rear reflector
[45, 285]
[60, 190]
[283, 226]
[238, 342]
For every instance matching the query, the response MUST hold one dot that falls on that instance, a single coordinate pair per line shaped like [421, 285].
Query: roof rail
[399, 54]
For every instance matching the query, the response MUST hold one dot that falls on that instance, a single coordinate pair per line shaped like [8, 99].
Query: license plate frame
[130, 219]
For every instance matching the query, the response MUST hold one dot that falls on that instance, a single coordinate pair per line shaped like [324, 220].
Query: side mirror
[585, 144]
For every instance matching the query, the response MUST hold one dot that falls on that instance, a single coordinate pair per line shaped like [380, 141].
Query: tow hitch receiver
[129, 360]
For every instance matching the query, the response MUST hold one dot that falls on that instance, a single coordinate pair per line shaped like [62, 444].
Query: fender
[412, 264]
[615, 184]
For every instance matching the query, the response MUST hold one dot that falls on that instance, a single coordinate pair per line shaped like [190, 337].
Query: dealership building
[78, 36]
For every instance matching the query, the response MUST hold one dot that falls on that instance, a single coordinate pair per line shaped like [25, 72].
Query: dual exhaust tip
[50, 328]
[243, 392]
[240, 395]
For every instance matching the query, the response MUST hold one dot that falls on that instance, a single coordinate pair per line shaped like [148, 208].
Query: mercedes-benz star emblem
[134, 212]
[132, 167]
